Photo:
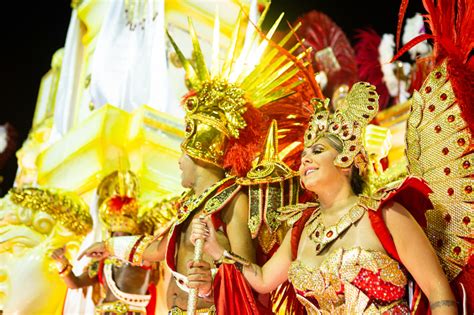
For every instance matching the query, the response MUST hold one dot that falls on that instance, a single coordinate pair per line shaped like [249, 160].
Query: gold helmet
[118, 193]
[223, 102]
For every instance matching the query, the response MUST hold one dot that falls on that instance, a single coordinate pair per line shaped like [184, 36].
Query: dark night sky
[33, 30]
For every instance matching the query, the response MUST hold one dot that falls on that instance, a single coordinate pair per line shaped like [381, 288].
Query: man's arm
[235, 216]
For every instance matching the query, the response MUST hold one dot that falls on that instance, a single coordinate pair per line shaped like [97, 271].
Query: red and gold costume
[120, 212]
[437, 191]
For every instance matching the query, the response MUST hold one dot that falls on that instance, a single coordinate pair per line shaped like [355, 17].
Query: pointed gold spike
[270, 149]
[215, 46]
[188, 68]
[197, 53]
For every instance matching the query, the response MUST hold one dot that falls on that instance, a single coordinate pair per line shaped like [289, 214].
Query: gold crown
[348, 122]
[252, 74]
[119, 206]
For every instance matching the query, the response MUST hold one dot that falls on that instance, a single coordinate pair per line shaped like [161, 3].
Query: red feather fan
[367, 58]
[452, 28]
[320, 32]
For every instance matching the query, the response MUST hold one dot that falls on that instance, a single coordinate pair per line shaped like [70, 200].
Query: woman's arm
[262, 279]
[418, 256]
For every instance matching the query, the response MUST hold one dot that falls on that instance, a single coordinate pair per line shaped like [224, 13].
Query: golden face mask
[347, 123]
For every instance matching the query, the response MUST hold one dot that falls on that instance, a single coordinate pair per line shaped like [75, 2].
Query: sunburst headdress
[223, 102]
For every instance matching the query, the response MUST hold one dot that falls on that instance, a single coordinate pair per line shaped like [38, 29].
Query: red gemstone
[439, 243]
[188, 128]
[353, 137]
[450, 118]
[457, 250]
[428, 89]
[468, 189]
[329, 233]
[371, 99]
[365, 116]
[334, 127]
[466, 220]
[352, 148]
[450, 191]
[345, 159]
[447, 217]
[372, 93]
[437, 129]
[317, 233]
[447, 171]
[445, 151]
[438, 75]
[443, 97]
[461, 142]
[370, 107]
[319, 117]
[431, 108]
[466, 164]
[345, 133]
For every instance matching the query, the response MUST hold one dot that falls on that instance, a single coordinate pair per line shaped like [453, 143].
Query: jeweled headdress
[221, 105]
[119, 208]
[348, 122]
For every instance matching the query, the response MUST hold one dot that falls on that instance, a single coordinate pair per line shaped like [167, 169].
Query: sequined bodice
[351, 281]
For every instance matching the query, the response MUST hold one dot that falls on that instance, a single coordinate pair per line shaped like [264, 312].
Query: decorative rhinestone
[431, 108]
[334, 127]
[466, 220]
[317, 234]
[428, 89]
[329, 233]
[188, 128]
[438, 75]
[447, 217]
[450, 118]
[345, 159]
[457, 250]
[466, 164]
[468, 189]
[318, 247]
[461, 142]
[445, 151]
[450, 191]
[443, 97]
[352, 148]
[439, 243]
[447, 171]
[345, 133]
[370, 107]
[437, 129]
[371, 99]
[366, 116]
[353, 137]
[320, 117]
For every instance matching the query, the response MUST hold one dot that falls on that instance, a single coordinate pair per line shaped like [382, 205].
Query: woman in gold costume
[346, 253]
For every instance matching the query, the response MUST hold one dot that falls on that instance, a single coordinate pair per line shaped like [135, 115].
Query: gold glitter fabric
[439, 149]
[348, 122]
[351, 281]
[66, 208]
